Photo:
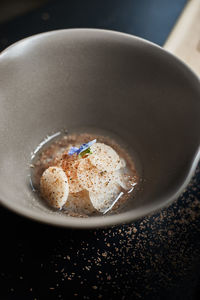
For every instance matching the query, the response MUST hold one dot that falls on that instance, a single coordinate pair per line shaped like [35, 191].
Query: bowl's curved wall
[74, 78]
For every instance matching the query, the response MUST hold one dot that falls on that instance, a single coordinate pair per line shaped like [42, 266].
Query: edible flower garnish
[83, 150]
[87, 151]
[73, 150]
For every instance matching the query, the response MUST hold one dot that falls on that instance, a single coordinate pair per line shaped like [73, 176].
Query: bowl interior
[97, 79]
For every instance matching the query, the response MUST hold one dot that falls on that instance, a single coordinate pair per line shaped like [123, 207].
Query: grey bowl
[103, 79]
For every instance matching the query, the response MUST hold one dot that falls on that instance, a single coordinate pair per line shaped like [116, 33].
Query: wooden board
[184, 40]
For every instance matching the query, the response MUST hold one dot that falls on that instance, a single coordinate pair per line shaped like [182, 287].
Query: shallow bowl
[85, 78]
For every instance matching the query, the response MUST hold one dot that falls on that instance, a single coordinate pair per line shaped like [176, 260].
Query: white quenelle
[103, 186]
[104, 199]
[104, 158]
[79, 203]
[54, 186]
[91, 178]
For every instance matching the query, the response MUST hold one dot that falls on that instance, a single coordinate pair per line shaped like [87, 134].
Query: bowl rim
[110, 220]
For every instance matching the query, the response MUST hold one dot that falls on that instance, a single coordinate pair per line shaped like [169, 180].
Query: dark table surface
[157, 257]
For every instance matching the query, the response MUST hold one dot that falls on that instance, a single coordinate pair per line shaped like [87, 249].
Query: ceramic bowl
[98, 79]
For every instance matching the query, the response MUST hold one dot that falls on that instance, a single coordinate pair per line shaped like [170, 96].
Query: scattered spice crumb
[94, 287]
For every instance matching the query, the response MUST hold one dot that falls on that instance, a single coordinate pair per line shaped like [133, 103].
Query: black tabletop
[157, 257]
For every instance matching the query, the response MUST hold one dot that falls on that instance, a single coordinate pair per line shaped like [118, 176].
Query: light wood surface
[184, 40]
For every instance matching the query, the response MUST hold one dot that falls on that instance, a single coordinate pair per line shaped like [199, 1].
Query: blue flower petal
[73, 150]
[82, 148]
[85, 146]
